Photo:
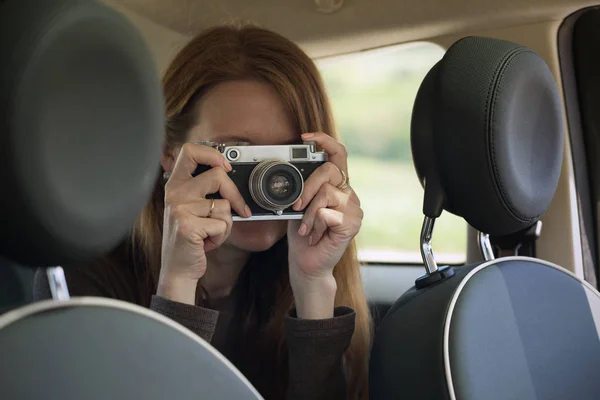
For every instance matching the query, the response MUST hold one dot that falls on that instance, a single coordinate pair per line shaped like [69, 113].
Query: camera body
[269, 178]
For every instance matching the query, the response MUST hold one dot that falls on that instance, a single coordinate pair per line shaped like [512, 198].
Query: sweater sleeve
[315, 351]
[201, 321]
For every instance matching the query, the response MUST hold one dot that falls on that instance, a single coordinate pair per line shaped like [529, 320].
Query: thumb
[294, 226]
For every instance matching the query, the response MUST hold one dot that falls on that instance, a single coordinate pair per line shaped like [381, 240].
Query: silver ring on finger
[345, 181]
[212, 207]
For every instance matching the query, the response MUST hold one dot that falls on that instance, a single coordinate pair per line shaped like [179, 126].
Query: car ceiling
[357, 25]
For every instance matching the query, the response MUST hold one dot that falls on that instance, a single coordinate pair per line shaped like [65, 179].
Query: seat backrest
[16, 285]
[81, 127]
[487, 140]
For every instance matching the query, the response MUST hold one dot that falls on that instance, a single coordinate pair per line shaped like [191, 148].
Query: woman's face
[246, 111]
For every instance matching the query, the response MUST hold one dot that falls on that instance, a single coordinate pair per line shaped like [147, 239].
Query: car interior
[473, 139]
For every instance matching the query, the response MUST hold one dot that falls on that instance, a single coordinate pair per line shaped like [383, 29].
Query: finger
[214, 231]
[339, 225]
[217, 181]
[327, 173]
[192, 155]
[336, 151]
[354, 197]
[212, 181]
[205, 208]
[209, 232]
[222, 214]
[327, 197]
[326, 218]
[195, 228]
[202, 209]
[218, 238]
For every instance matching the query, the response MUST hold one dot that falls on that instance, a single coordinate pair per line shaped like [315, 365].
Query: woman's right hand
[194, 225]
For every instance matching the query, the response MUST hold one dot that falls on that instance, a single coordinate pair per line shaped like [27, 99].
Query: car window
[372, 95]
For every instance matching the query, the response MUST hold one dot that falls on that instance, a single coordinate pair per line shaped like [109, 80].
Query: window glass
[372, 95]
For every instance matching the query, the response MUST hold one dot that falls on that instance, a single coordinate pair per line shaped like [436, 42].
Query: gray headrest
[487, 135]
[81, 124]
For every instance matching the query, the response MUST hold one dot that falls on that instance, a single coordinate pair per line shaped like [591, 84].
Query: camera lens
[275, 185]
[280, 186]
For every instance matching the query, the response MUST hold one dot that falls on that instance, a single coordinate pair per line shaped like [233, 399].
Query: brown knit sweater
[315, 347]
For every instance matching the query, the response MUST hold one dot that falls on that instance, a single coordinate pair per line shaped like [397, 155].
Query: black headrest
[81, 124]
[487, 135]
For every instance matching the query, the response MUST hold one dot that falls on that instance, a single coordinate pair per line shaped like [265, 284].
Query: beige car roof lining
[358, 25]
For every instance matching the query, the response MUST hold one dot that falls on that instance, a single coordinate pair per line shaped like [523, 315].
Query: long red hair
[229, 53]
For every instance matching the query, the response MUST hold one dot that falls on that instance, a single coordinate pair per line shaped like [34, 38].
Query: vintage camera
[270, 178]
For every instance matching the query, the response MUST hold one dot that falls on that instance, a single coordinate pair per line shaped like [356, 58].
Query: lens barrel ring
[257, 187]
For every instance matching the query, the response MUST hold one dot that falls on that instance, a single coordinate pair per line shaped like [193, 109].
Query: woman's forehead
[245, 111]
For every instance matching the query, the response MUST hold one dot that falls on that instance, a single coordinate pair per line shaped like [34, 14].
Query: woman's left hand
[317, 242]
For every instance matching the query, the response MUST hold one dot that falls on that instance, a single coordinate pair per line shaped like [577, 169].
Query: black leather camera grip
[200, 169]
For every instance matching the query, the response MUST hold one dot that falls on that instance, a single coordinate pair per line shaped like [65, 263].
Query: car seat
[81, 126]
[487, 142]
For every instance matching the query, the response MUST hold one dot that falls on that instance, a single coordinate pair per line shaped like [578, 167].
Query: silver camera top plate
[244, 153]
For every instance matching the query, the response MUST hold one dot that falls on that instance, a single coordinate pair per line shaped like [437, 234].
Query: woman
[282, 300]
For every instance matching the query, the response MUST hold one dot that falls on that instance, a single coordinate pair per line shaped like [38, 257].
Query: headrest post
[485, 246]
[434, 274]
[426, 250]
[58, 283]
